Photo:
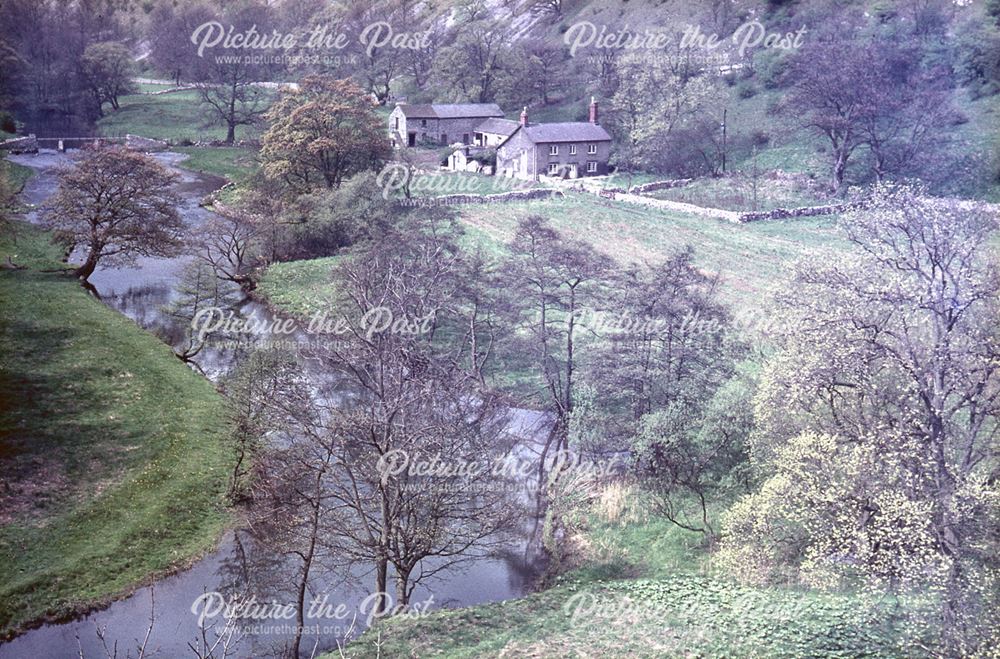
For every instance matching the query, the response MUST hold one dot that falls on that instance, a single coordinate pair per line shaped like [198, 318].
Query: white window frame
[553, 149]
[572, 149]
[554, 168]
[591, 166]
[591, 149]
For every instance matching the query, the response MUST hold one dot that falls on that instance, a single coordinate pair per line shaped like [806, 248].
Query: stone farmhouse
[439, 123]
[568, 149]
[523, 149]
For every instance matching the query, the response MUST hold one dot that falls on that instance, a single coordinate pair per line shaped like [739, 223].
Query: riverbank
[641, 587]
[112, 450]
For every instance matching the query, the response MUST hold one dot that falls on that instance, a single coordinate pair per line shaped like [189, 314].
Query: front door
[413, 139]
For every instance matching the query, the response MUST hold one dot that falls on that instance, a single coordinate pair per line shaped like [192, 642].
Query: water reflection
[246, 565]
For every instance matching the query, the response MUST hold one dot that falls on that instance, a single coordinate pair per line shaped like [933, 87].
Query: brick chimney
[524, 116]
[593, 110]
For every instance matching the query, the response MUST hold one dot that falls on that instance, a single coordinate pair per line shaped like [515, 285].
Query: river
[239, 562]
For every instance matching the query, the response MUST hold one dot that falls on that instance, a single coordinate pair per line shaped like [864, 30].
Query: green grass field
[750, 258]
[173, 117]
[299, 287]
[179, 118]
[112, 450]
[736, 193]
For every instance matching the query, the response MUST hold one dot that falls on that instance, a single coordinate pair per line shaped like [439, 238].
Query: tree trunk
[230, 132]
[402, 581]
[839, 169]
[381, 585]
[88, 267]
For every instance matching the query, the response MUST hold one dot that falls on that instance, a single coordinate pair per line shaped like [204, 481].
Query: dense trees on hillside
[885, 110]
[871, 94]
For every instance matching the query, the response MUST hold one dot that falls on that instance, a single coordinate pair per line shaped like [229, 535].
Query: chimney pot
[593, 110]
[524, 116]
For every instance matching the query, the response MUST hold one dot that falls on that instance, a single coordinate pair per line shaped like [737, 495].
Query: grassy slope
[111, 448]
[644, 588]
[15, 173]
[233, 163]
[174, 117]
[298, 287]
[749, 257]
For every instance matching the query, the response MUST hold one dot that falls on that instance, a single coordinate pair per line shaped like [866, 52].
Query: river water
[240, 563]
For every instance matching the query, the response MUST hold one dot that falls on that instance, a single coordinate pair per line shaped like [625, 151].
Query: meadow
[750, 259]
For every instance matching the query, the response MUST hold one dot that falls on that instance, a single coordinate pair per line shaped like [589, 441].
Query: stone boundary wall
[15, 145]
[652, 186]
[679, 206]
[804, 211]
[172, 90]
[456, 199]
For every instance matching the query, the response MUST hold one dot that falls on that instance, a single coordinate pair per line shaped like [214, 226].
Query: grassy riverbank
[642, 588]
[230, 162]
[111, 449]
[181, 118]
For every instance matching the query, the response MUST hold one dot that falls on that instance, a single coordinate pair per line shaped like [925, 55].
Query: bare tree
[404, 400]
[227, 83]
[141, 647]
[563, 277]
[201, 297]
[229, 243]
[870, 94]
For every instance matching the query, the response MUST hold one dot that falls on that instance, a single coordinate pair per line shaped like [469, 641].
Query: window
[553, 168]
[554, 150]
[592, 166]
[397, 123]
[465, 138]
[423, 123]
[572, 149]
[591, 149]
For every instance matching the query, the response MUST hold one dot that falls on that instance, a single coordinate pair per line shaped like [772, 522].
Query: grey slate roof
[451, 111]
[467, 110]
[504, 127]
[571, 131]
[418, 111]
